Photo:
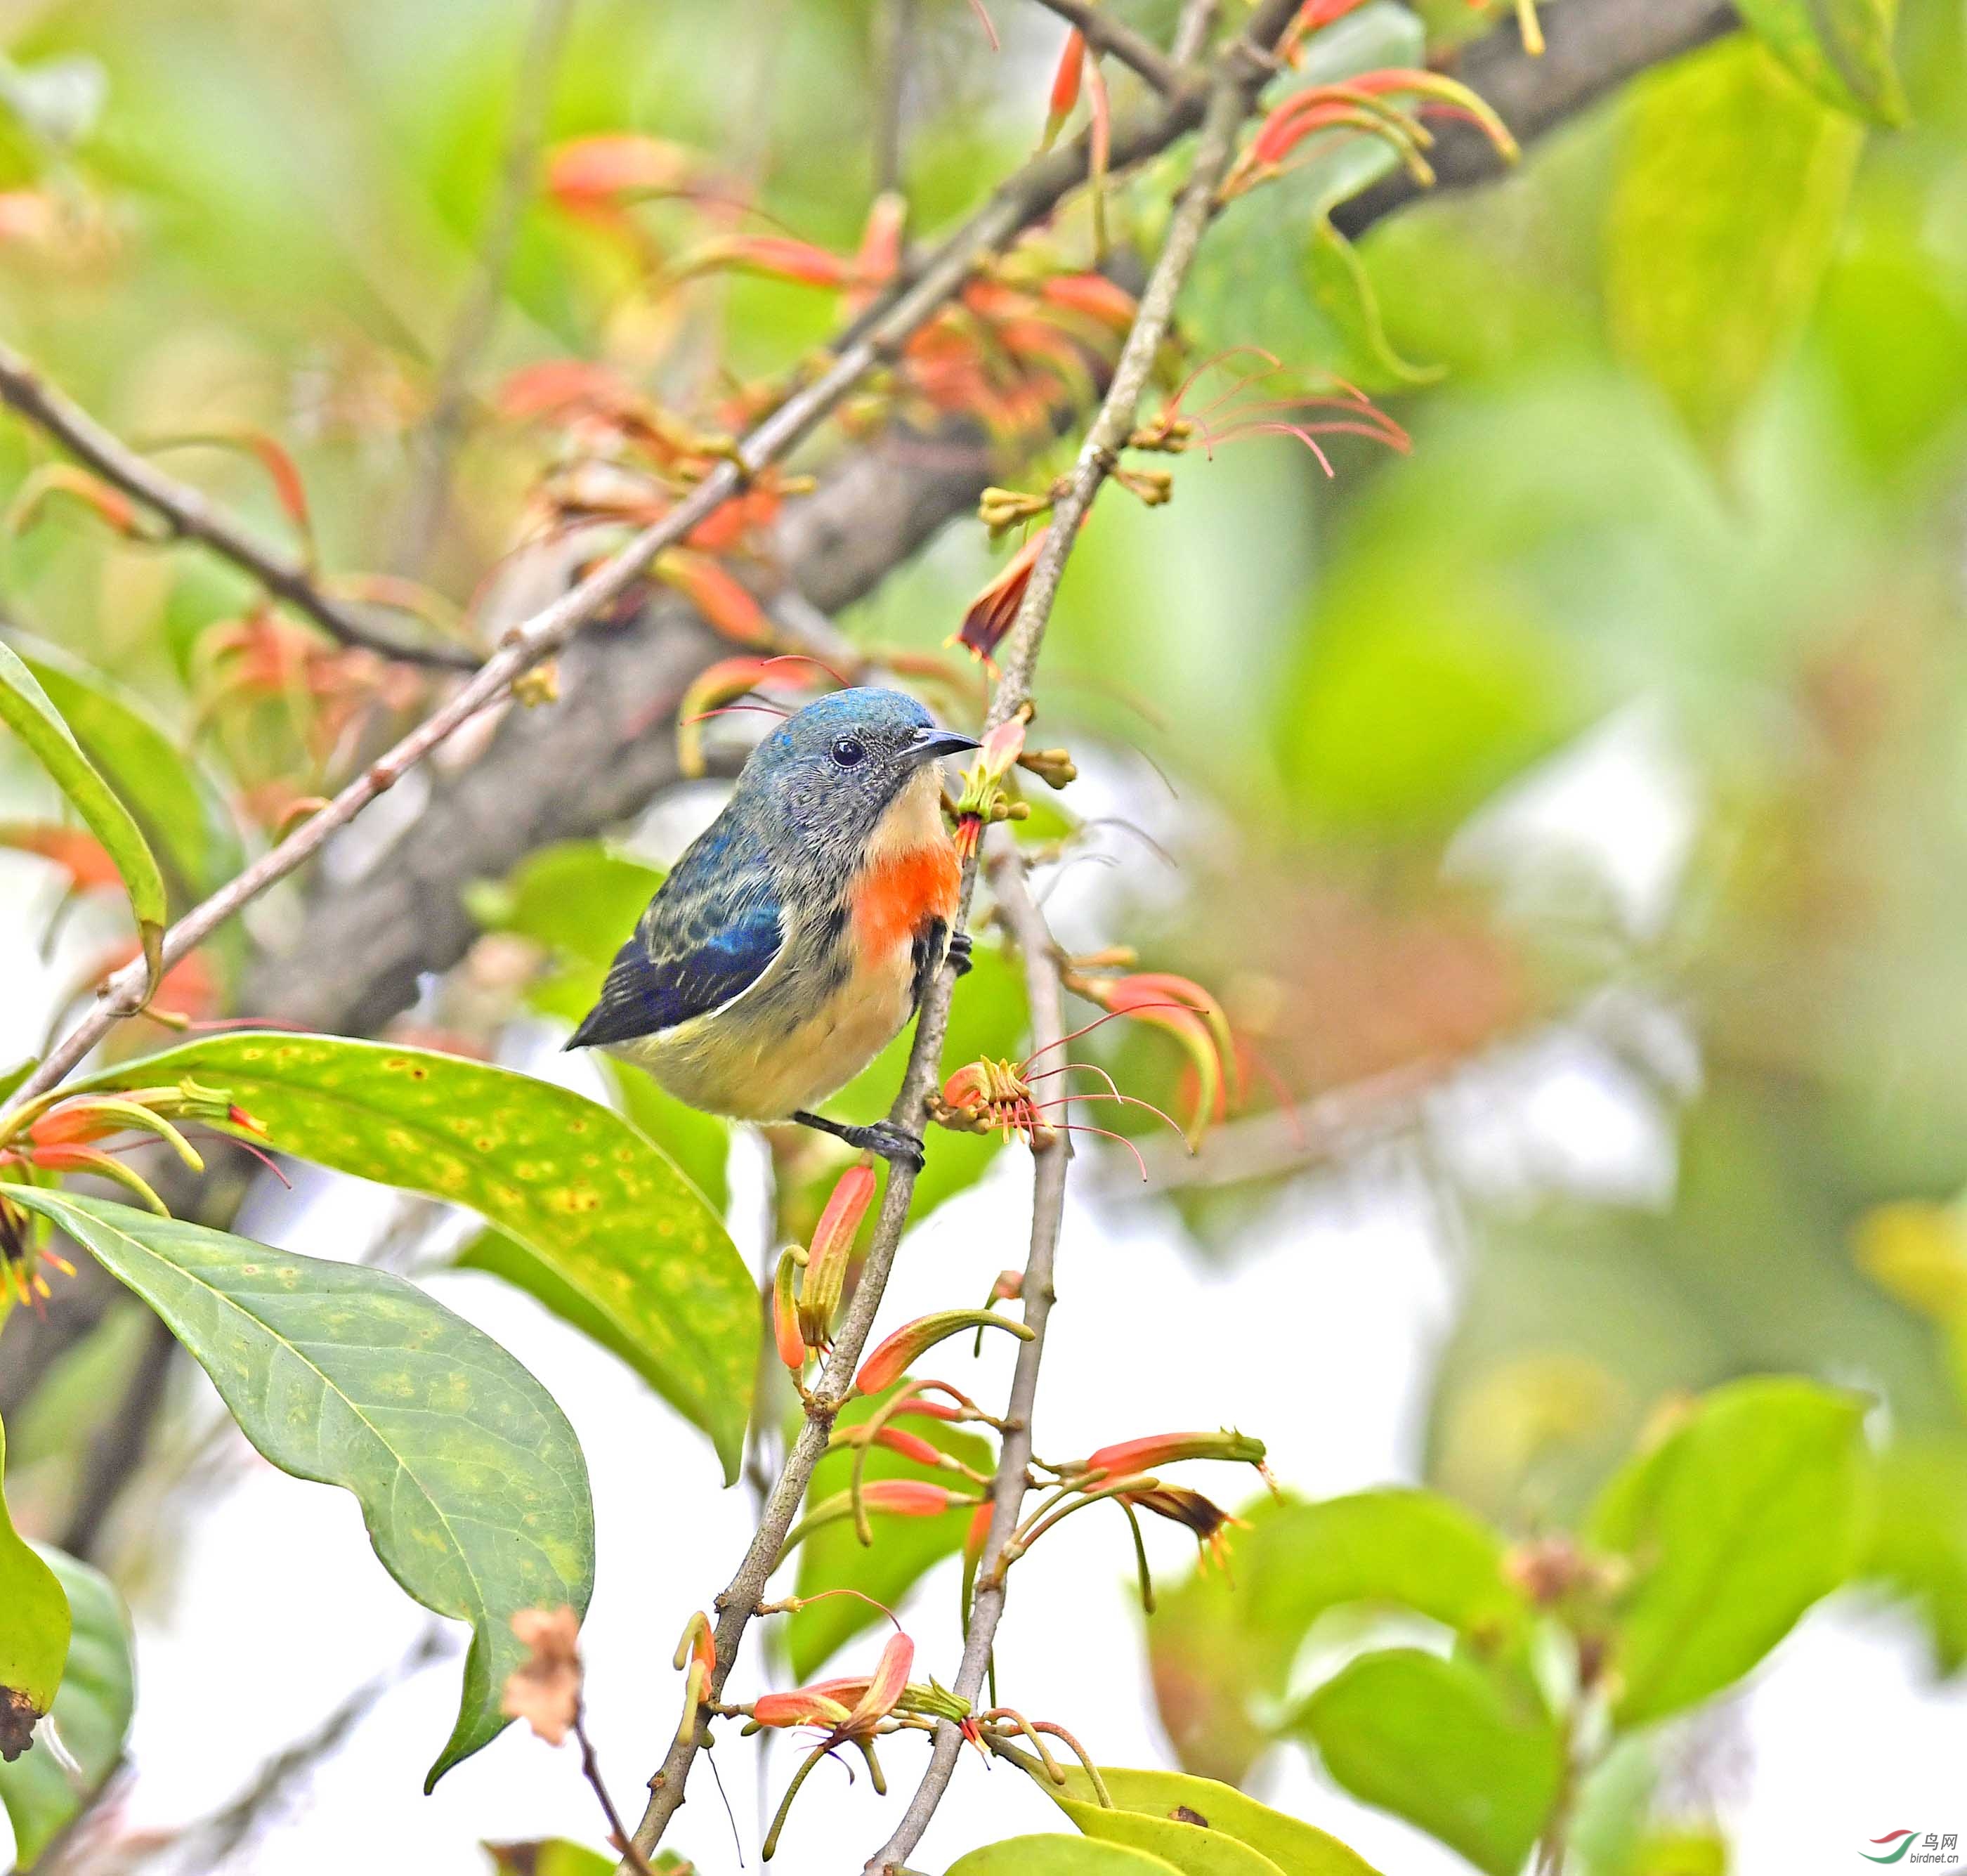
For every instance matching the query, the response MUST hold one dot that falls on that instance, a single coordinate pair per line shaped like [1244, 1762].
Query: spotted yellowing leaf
[1060, 1856]
[593, 1217]
[471, 1483]
[1297, 1849]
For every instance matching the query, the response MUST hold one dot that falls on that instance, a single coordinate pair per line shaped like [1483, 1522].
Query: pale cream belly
[755, 1068]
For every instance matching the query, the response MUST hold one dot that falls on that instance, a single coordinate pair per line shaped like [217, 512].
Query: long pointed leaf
[24, 708]
[600, 1215]
[471, 1483]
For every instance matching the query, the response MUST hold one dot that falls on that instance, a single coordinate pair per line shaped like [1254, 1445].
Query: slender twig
[1023, 200]
[1103, 33]
[590, 1769]
[1046, 995]
[1229, 103]
[436, 445]
[1241, 72]
[1192, 30]
[192, 514]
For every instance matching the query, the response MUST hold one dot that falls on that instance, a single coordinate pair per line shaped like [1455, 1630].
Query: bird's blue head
[828, 774]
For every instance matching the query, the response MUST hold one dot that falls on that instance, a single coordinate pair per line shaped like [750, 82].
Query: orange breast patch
[899, 892]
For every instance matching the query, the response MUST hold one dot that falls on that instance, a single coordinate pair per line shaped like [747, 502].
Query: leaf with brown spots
[471, 1483]
[593, 1218]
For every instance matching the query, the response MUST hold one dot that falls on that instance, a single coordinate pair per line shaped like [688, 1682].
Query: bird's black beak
[928, 743]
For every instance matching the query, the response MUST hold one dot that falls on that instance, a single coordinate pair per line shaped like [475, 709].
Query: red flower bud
[891, 1360]
[1065, 84]
[785, 1335]
[909, 1498]
[1167, 1449]
[833, 1237]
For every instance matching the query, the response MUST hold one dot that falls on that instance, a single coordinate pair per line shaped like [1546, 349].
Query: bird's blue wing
[708, 935]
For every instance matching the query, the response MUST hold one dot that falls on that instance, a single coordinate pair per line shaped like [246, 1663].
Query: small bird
[794, 938]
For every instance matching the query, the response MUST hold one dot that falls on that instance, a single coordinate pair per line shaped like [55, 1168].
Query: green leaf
[25, 709]
[471, 1483]
[904, 1550]
[1296, 1848]
[581, 899]
[1195, 1850]
[1918, 1544]
[33, 1640]
[588, 1206]
[1735, 1524]
[553, 1856]
[91, 1714]
[700, 1144]
[1841, 49]
[1443, 1744]
[1395, 1548]
[1222, 1655]
[1721, 226]
[179, 806]
[1060, 1856]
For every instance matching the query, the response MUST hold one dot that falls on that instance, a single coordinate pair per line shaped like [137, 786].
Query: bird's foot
[960, 950]
[895, 1144]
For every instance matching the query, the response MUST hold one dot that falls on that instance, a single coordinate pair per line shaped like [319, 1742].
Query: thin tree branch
[443, 430]
[1239, 75]
[1192, 30]
[192, 514]
[1045, 993]
[1018, 203]
[1103, 33]
[590, 1769]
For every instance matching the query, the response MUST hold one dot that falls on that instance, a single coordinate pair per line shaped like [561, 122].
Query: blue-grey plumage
[791, 942]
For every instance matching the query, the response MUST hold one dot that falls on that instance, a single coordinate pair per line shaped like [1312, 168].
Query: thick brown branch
[192, 515]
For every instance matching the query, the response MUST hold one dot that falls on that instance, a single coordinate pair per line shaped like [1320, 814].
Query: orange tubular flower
[786, 1336]
[590, 176]
[720, 685]
[1167, 1449]
[833, 1237]
[1192, 1016]
[727, 606]
[80, 855]
[1094, 295]
[910, 1498]
[1065, 84]
[890, 1362]
[995, 610]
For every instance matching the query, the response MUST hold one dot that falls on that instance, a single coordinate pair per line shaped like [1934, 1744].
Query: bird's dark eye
[847, 750]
